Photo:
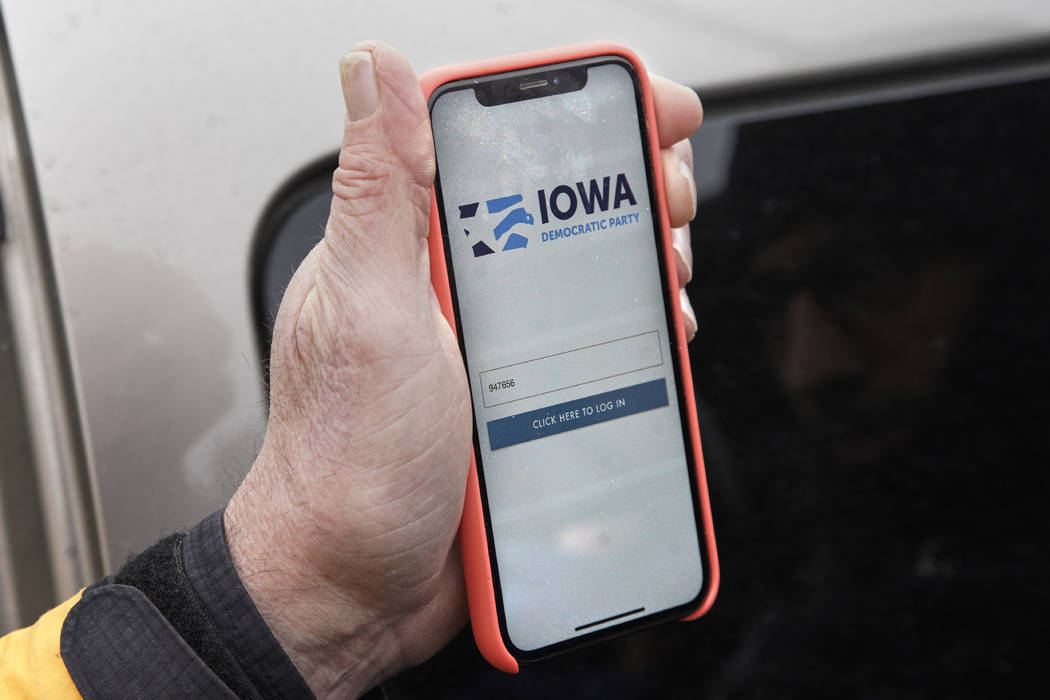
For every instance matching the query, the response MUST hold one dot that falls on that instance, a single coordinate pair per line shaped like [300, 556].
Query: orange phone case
[477, 570]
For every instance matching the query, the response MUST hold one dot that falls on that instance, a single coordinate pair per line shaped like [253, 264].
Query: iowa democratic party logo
[509, 217]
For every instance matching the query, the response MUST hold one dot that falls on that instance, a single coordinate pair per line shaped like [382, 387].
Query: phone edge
[472, 532]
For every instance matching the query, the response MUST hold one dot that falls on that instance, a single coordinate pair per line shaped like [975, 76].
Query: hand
[344, 530]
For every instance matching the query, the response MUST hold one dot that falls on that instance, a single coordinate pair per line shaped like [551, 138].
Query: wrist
[341, 646]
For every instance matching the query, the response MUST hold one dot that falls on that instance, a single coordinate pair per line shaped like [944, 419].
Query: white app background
[597, 521]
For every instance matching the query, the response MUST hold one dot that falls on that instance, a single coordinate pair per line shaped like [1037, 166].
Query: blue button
[579, 413]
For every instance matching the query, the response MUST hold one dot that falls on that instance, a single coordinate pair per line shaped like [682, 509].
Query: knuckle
[371, 180]
[364, 178]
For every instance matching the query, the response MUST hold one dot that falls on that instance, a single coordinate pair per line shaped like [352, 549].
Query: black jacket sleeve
[176, 621]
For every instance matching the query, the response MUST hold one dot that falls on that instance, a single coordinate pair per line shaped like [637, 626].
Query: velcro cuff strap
[117, 644]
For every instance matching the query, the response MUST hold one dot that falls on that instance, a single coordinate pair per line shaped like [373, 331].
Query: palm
[369, 357]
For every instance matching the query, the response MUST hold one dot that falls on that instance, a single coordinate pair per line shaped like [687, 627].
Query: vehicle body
[163, 168]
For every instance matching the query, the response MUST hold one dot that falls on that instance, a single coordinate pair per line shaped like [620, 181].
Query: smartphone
[586, 512]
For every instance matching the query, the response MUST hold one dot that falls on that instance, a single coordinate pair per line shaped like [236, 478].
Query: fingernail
[691, 326]
[683, 252]
[687, 173]
[684, 273]
[357, 72]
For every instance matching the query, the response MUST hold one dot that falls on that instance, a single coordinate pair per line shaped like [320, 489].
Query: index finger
[678, 110]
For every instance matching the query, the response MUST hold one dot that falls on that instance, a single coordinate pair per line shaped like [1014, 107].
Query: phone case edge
[481, 595]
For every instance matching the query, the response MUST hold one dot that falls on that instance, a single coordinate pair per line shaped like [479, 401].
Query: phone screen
[563, 320]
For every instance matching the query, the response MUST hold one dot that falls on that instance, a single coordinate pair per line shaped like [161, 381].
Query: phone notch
[515, 87]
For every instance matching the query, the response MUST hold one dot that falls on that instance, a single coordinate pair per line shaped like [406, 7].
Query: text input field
[571, 368]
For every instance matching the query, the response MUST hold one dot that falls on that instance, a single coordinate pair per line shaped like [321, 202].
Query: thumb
[386, 163]
[368, 280]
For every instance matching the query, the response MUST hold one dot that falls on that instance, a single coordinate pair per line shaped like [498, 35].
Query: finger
[678, 110]
[683, 254]
[679, 184]
[386, 161]
[688, 316]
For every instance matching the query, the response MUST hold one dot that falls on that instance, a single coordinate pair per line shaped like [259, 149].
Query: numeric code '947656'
[501, 384]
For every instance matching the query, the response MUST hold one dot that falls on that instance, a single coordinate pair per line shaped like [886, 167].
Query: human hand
[344, 530]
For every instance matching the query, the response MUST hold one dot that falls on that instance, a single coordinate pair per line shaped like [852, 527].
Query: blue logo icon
[511, 216]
